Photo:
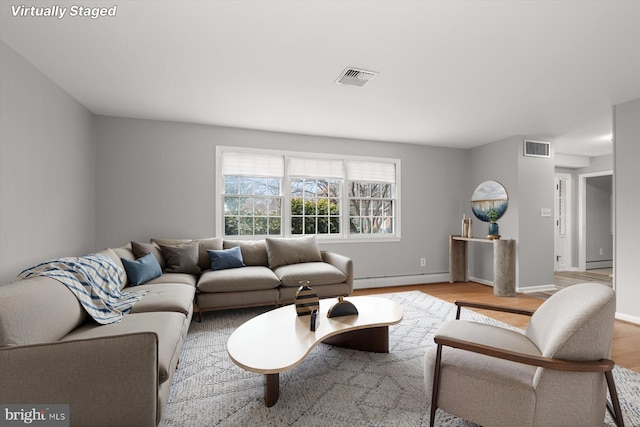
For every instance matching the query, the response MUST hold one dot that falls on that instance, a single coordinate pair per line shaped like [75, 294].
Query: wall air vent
[355, 77]
[537, 148]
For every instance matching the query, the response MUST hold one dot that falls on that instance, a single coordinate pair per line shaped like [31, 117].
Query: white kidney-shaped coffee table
[279, 340]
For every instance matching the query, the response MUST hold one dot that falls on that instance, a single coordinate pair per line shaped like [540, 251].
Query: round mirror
[489, 201]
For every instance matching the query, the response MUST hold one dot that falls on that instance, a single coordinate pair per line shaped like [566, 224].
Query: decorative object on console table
[306, 299]
[494, 231]
[342, 308]
[467, 227]
[488, 203]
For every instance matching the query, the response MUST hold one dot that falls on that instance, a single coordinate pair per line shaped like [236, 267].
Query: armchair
[550, 375]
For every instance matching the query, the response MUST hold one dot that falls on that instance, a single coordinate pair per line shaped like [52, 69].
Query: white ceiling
[452, 73]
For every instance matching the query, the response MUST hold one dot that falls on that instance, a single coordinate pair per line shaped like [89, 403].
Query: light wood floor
[626, 336]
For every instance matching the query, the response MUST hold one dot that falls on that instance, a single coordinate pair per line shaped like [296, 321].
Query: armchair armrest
[105, 381]
[601, 365]
[461, 304]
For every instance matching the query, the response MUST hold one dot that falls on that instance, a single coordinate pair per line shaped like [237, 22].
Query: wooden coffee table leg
[374, 339]
[271, 389]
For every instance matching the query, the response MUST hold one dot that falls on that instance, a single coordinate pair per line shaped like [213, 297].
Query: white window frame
[345, 236]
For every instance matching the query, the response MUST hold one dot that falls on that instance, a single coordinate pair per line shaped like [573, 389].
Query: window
[252, 196]
[252, 206]
[371, 197]
[315, 194]
[270, 193]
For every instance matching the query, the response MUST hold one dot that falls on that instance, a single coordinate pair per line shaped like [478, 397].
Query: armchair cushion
[565, 329]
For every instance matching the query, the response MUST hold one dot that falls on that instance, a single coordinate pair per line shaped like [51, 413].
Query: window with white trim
[252, 195]
[272, 193]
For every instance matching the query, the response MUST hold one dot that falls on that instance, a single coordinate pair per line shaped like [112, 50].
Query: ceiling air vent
[355, 77]
[537, 148]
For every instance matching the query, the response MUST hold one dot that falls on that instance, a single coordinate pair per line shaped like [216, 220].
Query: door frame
[582, 216]
[568, 249]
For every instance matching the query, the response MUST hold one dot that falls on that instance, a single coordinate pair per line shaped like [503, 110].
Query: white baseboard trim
[591, 265]
[418, 279]
[526, 290]
[541, 288]
[383, 282]
[627, 318]
[481, 281]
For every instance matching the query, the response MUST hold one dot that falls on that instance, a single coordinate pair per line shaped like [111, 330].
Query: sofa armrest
[343, 263]
[105, 381]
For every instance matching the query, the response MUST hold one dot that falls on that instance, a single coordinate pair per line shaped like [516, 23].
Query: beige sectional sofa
[52, 352]
[271, 274]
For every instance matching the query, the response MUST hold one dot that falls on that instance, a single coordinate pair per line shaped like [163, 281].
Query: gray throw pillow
[285, 251]
[181, 258]
[141, 249]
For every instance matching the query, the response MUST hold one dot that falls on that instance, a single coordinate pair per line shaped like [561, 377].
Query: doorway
[595, 218]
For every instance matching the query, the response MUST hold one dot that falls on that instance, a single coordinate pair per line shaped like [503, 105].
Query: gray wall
[627, 206]
[529, 185]
[493, 162]
[599, 221]
[157, 179]
[536, 246]
[47, 204]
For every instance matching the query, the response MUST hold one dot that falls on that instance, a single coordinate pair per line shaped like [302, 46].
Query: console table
[504, 263]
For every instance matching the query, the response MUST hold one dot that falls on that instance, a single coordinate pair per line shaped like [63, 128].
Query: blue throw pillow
[142, 270]
[225, 258]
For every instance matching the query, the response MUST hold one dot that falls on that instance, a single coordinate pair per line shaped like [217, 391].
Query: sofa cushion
[113, 255]
[167, 325]
[181, 258]
[317, 273]
[142, 270]
[294, 250]
[165, 297]
[37, 309]
[140, 249]
[172, 242]
[226, 258]
[124, 252]
[204, 245]
[238, 279]
[176, 278]
[254, 252]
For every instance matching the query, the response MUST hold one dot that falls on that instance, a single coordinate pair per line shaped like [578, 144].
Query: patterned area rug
[332, 386]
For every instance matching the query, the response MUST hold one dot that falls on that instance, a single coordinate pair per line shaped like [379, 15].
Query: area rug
[332, 386]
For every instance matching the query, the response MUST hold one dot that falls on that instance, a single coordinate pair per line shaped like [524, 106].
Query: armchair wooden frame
[602, 365]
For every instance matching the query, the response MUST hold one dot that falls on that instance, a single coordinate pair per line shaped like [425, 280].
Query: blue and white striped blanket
[95, 280]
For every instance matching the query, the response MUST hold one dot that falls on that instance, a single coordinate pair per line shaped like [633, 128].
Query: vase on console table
[494, 231]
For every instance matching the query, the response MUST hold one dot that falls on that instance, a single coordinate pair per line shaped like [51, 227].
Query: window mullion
[286, 199]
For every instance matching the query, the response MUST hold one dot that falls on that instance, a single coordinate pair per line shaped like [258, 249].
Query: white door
[562, 240]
